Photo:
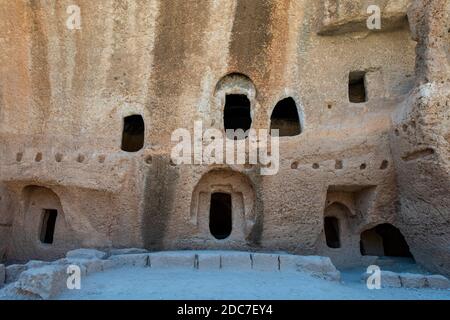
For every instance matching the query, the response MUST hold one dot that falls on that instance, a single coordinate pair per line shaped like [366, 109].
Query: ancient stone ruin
[88, 109]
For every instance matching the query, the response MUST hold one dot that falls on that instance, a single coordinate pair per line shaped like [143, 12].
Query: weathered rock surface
[86, 254]
[341, 16]
[65, 95]
[129, 260]
[236, 261]
[115, 252]
[420, 141]
[317, 266]
[2, 274]
[172, 259]
[36, 264]
[45, 282]
[265, 262]
[388, 279]
[13, 272]
[46, 279]
[410, 280]
[208, 261]
[437, 282]
[87, 266]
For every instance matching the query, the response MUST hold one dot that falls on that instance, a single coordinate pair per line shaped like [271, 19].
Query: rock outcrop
[92, 95]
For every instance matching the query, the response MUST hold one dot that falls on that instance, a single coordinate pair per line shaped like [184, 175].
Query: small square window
[133, 133]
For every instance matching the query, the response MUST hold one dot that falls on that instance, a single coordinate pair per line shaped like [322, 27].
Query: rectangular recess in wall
[48, 225]
[357, 92]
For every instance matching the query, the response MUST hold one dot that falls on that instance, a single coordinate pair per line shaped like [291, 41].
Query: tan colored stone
[172, 260]
[410, 280]
[13, 272]
[237, 261]
[36, 264]
[115, 252]
[388, 279]
[208, 261]
[86, 254]
[321, 267]
[45, 282]
[265, 262]
[88, 266]
[129, 260]
[341, 16]
[64, 95]
[437, 282]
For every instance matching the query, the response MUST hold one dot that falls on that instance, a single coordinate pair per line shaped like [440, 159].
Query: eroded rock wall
[64, 94]
[420, 140]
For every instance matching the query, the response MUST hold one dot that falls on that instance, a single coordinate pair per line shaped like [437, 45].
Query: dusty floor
[143, 283]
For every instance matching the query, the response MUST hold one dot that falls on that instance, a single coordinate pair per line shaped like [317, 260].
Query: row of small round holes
[58, 157]
[339, 165]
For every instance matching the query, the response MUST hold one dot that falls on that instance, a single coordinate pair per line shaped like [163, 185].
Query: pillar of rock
[420, 140]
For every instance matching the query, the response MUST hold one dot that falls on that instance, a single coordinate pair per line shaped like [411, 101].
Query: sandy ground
[144, 283]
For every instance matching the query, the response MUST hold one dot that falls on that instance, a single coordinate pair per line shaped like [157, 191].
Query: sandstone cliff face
[64, 94]
[420, 142]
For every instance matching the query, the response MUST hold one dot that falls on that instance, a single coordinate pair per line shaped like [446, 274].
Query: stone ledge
[389, 279]
[86, 254]
[437, 281]
[45, 282]
[116, 252]
[317, 266]
[45, 279]
[40, 279]
[13, 272]
[208, 261]
[265, 262]
[172, 259]
[239, 261]
[410, 280]
[131, 260]
[87, 266]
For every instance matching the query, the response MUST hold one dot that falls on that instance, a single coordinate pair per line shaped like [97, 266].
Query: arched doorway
[222, 208]
[338, 240]
[40, 229]
[384, 240]
[285, 118]
[236, 113]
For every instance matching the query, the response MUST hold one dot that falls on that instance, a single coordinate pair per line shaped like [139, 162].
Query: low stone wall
[410, 280]
[45, 280]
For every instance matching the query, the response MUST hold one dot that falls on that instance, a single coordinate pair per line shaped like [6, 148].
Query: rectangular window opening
[332, 232]
[357, 87]
[48, 225]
